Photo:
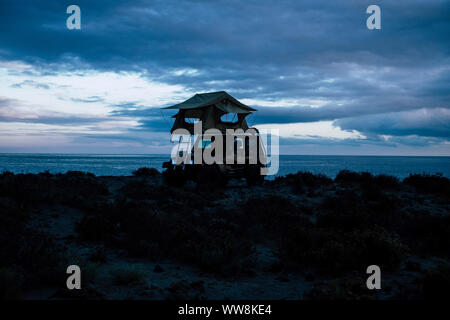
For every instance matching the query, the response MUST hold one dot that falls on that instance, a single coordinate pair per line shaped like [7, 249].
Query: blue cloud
[376, 82]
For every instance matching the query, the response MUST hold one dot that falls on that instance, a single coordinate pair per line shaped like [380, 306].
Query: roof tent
[209, 108]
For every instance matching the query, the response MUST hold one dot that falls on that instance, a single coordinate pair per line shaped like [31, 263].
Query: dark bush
[12, 219]
[85, 185]
[146, 172]
[427, 234]
[139, 190]
[345, 220]
[168, 199]
[73, 188]
[79, 174]
[98, 255]
[347, 288]
[351, 177]
[366, 179]
[347, 210]
[386, 182]
[42, 258]
[175, 177]
[12, 227]
[274, 213]
[213, 250]
[337, 253]
[127, 274]
[429, 183]
[142, 230]
[300, 181]
[6, 173]
[24, 189]
[27, 253]
[198, 240]
[96, 227]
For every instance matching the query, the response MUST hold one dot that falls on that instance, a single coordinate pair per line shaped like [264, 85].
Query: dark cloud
[59, 120]
[422, 122]
[150, 119]
[376, 82]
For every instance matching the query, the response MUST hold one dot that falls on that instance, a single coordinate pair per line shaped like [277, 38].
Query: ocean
[118, 165]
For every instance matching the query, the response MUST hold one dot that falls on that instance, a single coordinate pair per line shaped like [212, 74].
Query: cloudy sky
[312, 69]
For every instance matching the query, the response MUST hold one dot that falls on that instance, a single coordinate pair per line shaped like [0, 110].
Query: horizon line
[165, 154]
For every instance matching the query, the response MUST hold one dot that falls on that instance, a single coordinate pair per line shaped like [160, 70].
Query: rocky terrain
[301, 236]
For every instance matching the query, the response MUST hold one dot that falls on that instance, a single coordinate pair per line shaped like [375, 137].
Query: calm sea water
[117, 165]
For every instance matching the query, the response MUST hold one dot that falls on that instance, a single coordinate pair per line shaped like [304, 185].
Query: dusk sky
[311, 68]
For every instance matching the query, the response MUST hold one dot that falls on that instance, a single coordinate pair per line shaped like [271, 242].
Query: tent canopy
[208, 108]
[220, 100]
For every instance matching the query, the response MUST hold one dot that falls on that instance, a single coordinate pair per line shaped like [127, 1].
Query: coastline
[123, 165]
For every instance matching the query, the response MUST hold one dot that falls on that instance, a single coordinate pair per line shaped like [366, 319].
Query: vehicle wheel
[175, 176]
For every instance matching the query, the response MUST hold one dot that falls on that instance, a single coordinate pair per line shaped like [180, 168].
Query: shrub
[6, 173]
[43, 258]
[144, 231]
[24, 189]
[427, 234]
[139, 190]
[79, 184]
[168, 199]
[127, 274]
[386, 182]
[350, 177]
[216, 250]
[175, 177]
[96, 227]
[33, 254]
[347, 288]
[347, 211]
[12, 219]
[79, 174]
[302, 180]
[12, 233]
[98, 255]
[382, 181]
[427, 183]
[333, 252]
[345, 220]
[73, 188]
[275, 213]
[146, 172]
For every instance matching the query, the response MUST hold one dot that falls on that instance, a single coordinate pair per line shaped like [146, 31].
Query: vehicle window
[204, 144]
[191, 120]
[229, 118]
